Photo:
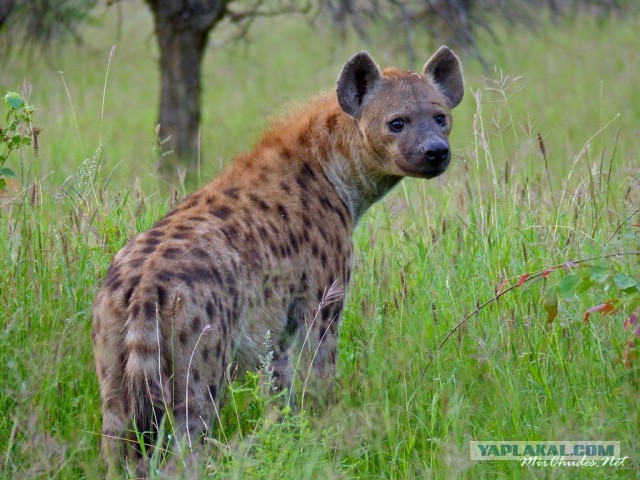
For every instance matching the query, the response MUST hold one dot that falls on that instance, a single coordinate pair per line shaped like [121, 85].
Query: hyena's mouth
[425, 169]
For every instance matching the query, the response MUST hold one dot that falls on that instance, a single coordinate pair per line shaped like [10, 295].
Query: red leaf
[523, 278]
[603, 308]
[548, 272]
[500, 286]
[632, 320]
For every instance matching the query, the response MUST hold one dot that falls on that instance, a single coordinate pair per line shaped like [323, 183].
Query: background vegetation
[546, 172]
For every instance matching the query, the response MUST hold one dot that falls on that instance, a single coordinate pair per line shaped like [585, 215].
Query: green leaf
[568, 285]
[7, 172]
[632, 303]
[2, 183]
[550, 304]
[585, 284]
[623, 281]
[14, 100]
[599, 274]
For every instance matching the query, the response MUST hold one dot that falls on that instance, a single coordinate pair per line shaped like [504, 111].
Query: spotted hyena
[263, 251]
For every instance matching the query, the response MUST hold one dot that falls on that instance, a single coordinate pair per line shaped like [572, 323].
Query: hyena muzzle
[264, 251]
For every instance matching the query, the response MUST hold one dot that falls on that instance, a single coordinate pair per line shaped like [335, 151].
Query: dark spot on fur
[231, 192]
[332, 120]
[218, 349]
[321, 333]
[283, 212]
[267, 293]
[323, 259]
[154, 233]
[182, 337]
[171, 252]
[303, 200]
[137, 263]
[200, 253]
[215, 276]
[224, 328]
[205, 354]
[315, 250]
[128, 294]
[285, 153]
[183, 228]
[165, 275]
[306, 171]
[148, 250]
[302, 182]
[197, 218]
[209, 310]
[259, 202]
[149, 311]
[303, 139]
[249, 238]
[263, 232]
[213, 391]
[196, 375]
[114, 283]
[286, 188]
[324, 201]
[180, 236]
[135, 310]
[293, 240]
[196, 324]
[162, 295]
[221, 212]
[341, 214]
[153, 241]
[231, 291]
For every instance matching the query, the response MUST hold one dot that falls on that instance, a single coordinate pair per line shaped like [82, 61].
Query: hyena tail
[145, 381]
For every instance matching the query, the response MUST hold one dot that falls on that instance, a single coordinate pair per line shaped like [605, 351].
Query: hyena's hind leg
[198, 386]
[110, 359]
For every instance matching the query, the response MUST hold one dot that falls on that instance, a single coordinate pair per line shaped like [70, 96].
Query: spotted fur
[265, 247]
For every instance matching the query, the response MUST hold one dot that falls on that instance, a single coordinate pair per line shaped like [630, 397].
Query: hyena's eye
[441, 119]
[396, 125]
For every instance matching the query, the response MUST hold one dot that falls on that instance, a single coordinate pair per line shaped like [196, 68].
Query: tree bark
[5, 9]
[182, 29]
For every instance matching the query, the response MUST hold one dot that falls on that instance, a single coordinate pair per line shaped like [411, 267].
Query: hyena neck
[347, 167]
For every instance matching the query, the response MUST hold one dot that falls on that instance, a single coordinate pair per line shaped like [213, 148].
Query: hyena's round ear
[444, 72]
[359, 78]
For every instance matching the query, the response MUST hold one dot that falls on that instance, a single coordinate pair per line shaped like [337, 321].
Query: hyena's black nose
[437, 152]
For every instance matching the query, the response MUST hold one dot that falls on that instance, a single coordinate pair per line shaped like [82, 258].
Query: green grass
[426, 257]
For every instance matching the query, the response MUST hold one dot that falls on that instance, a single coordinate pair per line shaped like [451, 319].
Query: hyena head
[405, 118]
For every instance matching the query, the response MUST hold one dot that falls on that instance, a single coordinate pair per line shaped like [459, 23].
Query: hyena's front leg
[320, 351]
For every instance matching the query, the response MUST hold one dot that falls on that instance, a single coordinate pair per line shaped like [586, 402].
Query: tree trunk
[182, 30]
[5, 9]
